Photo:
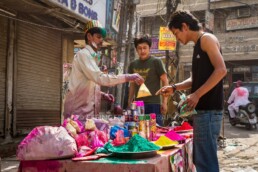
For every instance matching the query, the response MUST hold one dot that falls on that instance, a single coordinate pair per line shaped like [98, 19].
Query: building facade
[236, 26]
[235, 23]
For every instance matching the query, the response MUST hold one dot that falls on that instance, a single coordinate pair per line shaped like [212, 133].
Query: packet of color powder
[184, 110]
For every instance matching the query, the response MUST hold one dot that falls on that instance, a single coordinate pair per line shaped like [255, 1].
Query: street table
[177, 158]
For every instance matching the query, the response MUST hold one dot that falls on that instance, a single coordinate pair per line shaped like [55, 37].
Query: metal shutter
[3, 46]
[38, 77]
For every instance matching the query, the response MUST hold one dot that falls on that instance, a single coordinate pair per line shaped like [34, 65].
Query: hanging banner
[167, 41]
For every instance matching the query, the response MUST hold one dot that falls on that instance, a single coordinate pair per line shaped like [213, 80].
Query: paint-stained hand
[134, 78]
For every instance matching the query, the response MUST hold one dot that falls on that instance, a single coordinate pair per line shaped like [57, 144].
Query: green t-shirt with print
[150, 69]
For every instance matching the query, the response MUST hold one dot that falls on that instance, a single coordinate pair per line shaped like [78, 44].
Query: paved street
[238, 155]
[240, 151]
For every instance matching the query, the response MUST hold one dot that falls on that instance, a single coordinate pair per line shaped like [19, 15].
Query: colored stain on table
[42, 165]
[120, 161]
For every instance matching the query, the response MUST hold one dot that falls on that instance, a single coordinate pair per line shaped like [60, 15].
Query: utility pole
[121, 29]
[131, 11]
[171, 7]
[120, 47]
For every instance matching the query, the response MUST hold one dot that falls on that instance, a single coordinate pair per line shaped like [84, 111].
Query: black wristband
[173, 87]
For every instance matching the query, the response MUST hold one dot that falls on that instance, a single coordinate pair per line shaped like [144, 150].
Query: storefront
[34, 43]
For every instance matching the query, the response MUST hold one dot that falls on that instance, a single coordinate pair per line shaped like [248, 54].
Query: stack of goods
[137, 122]
[88, 137]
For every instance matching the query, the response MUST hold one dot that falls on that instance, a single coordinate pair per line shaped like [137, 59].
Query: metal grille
[3, 44]
[38, 86]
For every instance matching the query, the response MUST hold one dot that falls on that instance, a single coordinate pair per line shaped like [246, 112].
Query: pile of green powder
[135, 144]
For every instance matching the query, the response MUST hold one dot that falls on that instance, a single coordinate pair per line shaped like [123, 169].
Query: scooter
[245, 116]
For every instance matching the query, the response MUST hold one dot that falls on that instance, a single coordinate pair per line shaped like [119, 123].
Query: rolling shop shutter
[38, 77]
[3, 46]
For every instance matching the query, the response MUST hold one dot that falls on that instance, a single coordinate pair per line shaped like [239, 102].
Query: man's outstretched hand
[138, 79]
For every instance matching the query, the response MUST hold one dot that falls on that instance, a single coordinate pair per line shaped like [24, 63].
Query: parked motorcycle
[245, 116]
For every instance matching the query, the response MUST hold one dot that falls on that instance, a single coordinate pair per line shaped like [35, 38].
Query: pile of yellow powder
[164, 141]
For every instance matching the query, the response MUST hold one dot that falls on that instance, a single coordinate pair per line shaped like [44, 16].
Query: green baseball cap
[96, 26]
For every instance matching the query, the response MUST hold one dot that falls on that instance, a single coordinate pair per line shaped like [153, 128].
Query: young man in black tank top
[208, 70]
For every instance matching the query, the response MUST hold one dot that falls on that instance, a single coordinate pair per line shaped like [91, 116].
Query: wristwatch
[173, 87]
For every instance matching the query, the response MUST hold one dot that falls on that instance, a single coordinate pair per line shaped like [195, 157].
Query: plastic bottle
[140, 107]
[142, 126]
[126, 116]
[147, 125]
[152, 126]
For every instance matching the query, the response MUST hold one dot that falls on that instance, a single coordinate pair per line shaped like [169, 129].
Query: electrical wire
[44, 26]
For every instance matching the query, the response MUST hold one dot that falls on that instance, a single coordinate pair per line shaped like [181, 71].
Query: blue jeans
[154, 108]
[206, 126]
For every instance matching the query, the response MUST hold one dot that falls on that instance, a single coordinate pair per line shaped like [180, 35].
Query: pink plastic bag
[82, 140]
[46, 142]
[91, 139]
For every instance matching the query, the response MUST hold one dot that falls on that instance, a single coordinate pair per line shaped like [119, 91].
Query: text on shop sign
[80, 7]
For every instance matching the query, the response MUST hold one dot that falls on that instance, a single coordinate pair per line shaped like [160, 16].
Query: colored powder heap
[174, 136]
[165, 141]
[184, 126]
[135, 144]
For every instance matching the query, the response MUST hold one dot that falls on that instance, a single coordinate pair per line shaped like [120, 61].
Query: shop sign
[86, 9]
[241, 69]
[242, 23]
[167, 41]
[236, 44]
[154, 50]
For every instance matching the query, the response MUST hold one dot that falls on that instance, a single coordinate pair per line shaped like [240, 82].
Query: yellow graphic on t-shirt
[143, 72]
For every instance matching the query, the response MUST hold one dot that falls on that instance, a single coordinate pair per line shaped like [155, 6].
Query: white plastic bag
[46, 142]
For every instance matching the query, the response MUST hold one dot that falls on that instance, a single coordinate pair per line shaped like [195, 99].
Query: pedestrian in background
[208, 70]
[238, 97]
[154, 73]
[83, 97]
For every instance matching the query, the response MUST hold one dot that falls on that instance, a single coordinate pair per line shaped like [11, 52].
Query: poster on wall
[154, 50]
[116, 15]
[167, 41]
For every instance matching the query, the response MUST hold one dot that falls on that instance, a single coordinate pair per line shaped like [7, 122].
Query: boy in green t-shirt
[153, 71]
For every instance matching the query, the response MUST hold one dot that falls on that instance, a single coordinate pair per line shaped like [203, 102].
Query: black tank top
[201, 71]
